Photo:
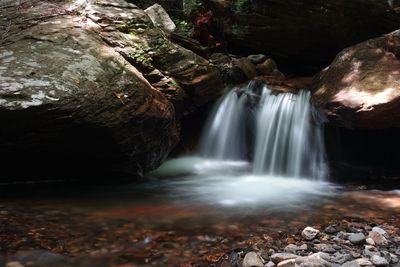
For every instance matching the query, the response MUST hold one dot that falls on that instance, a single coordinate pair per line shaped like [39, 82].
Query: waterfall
[281, 132]
[225, 137]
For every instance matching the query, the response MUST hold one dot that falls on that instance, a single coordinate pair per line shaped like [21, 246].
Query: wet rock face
[360, 89]
[70, 104]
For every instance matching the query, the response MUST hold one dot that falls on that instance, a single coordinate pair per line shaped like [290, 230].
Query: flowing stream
[259, 175]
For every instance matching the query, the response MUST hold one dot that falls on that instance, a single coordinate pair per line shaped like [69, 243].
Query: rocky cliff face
[89, 89]
[305, 32]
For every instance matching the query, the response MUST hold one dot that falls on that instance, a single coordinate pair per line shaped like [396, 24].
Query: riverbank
[105, 232]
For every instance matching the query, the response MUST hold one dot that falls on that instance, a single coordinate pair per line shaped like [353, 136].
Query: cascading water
[259, 148]
[225, 137]
[288, 139]
[226, 134]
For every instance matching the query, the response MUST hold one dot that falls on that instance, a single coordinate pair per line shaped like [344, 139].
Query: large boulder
[306, 32]
[361, 88]
[89, 88]
[70, 105]
[186, 79]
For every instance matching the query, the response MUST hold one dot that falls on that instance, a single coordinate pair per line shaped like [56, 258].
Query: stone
[270, 264]
[340, 258]
[291, 248]
[330, 229]
[278, 257]
[319, 259]
[246, 66]
[160, 18]
[363, 262]
[379, 261]
[351, 264]
[380, 231]
[359, 89]
[370, 241]
[40, 257]
[357, 239]
[73, 82]
[309, 233]
[60, 105]
[257, 59]
[287, 263]
[252, 260]
[394, 258]
[277, 73]
[325, 248]
[267, 67]
[14, 264]
[370, 251]
[379, 239]
[303, 247]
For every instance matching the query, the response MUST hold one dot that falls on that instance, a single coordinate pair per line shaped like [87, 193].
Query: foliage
[172, 83]
[142, 54]
[184, 27]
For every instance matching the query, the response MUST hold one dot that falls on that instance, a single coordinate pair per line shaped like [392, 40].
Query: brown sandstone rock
[361, 88]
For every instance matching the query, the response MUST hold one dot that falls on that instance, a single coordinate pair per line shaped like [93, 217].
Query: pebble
[309, 233]
[14, 264]
[357, 239]
[278, 257]
[341, 258]
[291, 248]
[351, 264]
[355, 254]
[325, 248]
[378, 238]
[252, 260]
[270, 264]
[386, 255]
[316, 259]
[370, 251]
[364, 262]
[379, 261]
[330, 230]
[394, 258]
[303, 247]
[370, 241]
[287, 263]
[380, 231]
